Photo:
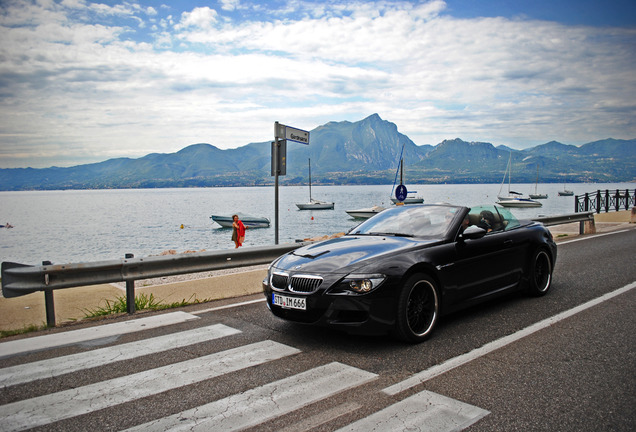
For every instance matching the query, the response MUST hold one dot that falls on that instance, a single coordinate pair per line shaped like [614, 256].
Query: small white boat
[314, 204]
[565, 191]
[411, 198]
[536, 195]
[365, 213]
[249, 221]
[518, 202]
[514, 199]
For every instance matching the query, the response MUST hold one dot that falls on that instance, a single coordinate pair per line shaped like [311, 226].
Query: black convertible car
[404, 267]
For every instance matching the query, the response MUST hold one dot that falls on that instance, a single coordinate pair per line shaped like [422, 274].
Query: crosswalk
[244, 409]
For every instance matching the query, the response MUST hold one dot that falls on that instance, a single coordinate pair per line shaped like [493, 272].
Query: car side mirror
[473, 233]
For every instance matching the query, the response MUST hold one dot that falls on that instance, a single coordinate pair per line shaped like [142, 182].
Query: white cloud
[230, 5]
[76, 86]
[201, 17]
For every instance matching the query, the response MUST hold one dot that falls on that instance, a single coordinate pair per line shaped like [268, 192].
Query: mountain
[363, 152]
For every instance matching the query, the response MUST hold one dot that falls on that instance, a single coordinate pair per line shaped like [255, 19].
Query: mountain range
[363, 152]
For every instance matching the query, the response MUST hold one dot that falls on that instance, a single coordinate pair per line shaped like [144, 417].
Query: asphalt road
[567, 373]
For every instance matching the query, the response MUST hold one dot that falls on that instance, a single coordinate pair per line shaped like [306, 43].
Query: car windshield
[410, 221]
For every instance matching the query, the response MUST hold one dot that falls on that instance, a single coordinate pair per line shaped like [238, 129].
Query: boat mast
[309, 180]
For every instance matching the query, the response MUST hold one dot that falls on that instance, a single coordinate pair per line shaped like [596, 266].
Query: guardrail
[605, 201]
[21, 279]
[582, 217]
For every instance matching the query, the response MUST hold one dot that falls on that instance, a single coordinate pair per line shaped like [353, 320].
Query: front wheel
[540, 274]
[418, 309]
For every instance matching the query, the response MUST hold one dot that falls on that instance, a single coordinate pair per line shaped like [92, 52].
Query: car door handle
[508, 243]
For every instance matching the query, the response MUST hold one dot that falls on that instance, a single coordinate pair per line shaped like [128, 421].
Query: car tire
[540, 277]
[418, 309]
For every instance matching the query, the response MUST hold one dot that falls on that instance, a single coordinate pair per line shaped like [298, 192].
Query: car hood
[349, 252]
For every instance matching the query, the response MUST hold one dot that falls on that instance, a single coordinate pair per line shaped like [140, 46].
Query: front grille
[302, 284]
[305, 284]
[279, 281]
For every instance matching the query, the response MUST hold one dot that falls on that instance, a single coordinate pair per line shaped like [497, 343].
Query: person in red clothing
[238, 231]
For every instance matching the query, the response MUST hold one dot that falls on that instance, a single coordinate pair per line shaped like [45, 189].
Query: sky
[84, 81]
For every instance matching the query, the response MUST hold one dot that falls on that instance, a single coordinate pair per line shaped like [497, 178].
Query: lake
[93, 225]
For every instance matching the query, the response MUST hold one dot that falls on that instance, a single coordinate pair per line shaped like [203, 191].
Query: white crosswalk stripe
[70, 403]
[62, 365]
[56, 340]
[263, 403]
[248, 408]
[423, 411]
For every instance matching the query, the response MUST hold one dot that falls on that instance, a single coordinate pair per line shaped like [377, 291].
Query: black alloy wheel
[540, 274]
[418, 309]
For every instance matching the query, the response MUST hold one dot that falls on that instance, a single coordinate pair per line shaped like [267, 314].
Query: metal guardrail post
[130, 291]
[49, 303]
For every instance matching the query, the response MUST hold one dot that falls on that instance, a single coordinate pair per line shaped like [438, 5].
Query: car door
[486, 265]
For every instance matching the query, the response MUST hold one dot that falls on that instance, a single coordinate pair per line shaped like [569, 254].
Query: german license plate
[289, 302]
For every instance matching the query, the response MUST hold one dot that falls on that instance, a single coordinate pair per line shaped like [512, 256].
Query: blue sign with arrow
[401, 192]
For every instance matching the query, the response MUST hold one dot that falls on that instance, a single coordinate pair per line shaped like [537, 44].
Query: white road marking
[591, 237]
[50, 408]
[425, 411]
[49, 368]
[499, 343]
[56, 340]
[266, 402]
[312, 422]
[233, 305]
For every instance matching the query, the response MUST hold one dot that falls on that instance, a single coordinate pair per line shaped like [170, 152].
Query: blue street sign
[401, 192]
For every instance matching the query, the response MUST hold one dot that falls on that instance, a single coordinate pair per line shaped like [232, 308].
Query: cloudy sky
[84, 81]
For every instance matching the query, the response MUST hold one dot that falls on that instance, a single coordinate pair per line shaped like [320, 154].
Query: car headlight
[361, 283]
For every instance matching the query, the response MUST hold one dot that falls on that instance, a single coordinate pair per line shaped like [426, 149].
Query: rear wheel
[540, 273]
[418, 309]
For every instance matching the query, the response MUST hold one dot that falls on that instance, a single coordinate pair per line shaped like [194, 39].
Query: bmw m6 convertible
[400, 270]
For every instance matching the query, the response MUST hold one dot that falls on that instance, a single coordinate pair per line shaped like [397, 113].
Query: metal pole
[576, 203]
[130, 291]
[276, 171]
[49, 304]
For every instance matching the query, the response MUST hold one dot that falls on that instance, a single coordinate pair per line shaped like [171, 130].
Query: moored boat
[365, 213]
[314, 204]
[536, 195]
[514, 199]
[411, 198]
[566, 191]
[249, 221]
[518, 202]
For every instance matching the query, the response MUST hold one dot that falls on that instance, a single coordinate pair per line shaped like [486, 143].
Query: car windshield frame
[504, 219]
[419, 221]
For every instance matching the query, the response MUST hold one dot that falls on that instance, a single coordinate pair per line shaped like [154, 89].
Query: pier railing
[605, 201]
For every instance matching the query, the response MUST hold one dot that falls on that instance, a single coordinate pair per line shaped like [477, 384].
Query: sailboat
[566, 192]
[314, 204]
[514, 199]
[411, 197]
[537, 195]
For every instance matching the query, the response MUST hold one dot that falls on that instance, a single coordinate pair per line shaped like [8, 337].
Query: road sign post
[282, 134]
